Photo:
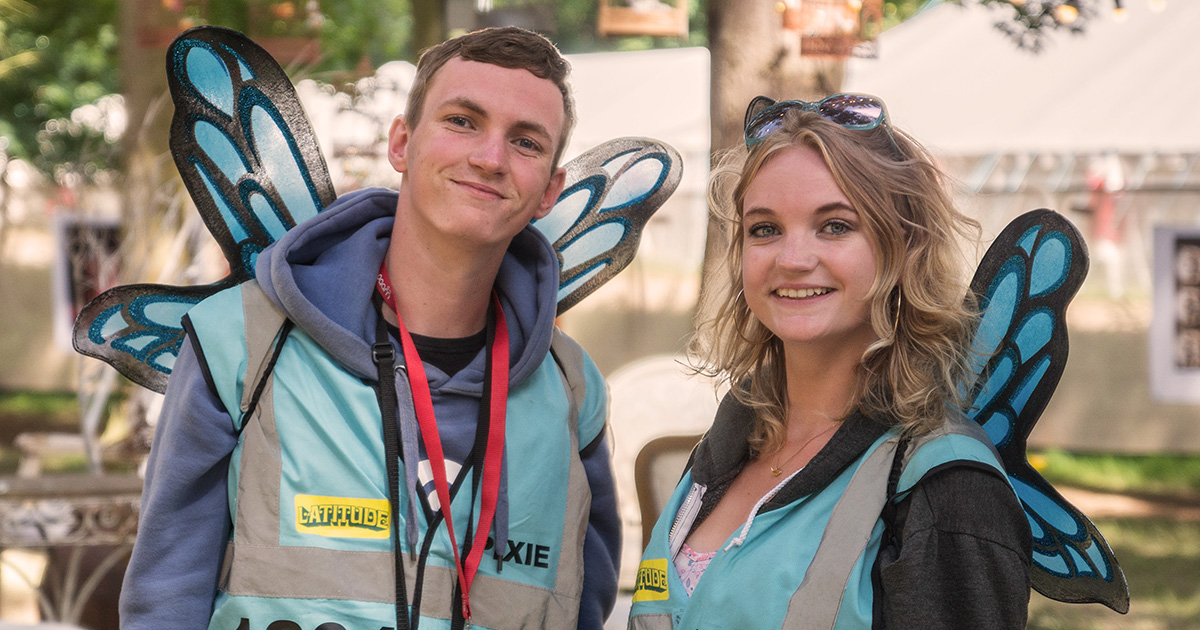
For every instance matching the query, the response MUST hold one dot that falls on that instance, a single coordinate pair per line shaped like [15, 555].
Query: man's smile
[480, 190]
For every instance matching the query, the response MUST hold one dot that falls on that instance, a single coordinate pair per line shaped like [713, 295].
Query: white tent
[962, 87]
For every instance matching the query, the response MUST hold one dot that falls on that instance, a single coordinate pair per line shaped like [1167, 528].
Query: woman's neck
[819, 389]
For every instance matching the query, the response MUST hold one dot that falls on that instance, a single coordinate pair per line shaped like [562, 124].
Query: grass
[1159, 474]
[1161, 561]
[1159, 556]
[28, 411]
[42, 404]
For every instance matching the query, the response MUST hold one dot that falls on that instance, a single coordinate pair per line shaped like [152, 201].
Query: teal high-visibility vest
[806, 565]
[312, 535]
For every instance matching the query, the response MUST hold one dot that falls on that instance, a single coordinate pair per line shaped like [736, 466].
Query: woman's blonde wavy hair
[915, 371]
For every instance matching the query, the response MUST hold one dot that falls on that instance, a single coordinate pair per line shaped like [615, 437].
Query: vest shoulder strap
[266, 330]
[959, 441]
[892, 467]
[570, 359]
[818, 600]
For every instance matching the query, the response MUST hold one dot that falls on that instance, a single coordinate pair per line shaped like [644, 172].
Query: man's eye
[459, 121]
[529, 145]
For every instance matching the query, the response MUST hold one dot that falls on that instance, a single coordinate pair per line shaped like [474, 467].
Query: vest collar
[725, 450]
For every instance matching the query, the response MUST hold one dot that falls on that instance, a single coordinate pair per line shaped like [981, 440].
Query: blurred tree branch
[1029, 22]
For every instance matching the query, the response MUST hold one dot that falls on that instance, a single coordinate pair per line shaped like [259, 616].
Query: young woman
[840, 485]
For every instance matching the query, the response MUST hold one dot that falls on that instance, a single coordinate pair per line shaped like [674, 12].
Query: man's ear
[553, 190]
[397, 146]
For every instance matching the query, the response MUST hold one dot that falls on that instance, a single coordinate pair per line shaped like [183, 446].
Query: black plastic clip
[383, 353]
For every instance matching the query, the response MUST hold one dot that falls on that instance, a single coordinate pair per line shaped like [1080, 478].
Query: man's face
[479, 165]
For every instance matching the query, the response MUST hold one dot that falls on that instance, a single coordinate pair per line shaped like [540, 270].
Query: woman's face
[807, 261]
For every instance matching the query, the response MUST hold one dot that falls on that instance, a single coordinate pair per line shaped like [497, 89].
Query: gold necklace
[777, 469]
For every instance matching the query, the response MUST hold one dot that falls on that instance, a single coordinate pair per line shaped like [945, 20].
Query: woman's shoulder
[971, 500]
[961, 557]
[956, 442]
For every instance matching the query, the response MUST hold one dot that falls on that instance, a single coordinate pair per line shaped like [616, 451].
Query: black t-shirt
[448, 355]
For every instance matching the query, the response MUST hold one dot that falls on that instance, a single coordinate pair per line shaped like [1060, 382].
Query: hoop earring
[764, 341]
[896, 317]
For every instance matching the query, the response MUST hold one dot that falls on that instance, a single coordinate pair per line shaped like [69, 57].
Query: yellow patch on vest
[342, 517]
[651, 581]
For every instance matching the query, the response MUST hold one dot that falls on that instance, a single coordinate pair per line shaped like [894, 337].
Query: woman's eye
[762, 230]
[837, 228]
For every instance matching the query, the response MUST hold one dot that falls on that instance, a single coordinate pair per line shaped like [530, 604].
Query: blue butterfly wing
[250, 160]
[610, 193]
[1024, 284]
[137, 328]
[242, 143]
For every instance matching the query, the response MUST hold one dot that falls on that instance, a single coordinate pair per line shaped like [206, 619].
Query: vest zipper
[684, 518]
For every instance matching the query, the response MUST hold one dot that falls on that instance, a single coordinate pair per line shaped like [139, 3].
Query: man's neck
[442, 289]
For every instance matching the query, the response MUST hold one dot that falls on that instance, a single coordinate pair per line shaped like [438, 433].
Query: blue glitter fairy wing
[1024, 284]
[137, 329]
[242, 143]
[610, 193]
[247, 154]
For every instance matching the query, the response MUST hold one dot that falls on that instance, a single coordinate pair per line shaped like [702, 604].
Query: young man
[277, 427]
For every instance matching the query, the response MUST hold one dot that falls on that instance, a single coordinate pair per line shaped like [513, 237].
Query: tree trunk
[150, 179]
[5, 192]
[429, 23]
[751, 54]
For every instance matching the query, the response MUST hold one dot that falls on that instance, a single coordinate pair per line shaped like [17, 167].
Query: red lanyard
[423, 403]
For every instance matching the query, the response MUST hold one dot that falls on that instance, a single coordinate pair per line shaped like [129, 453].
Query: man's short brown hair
[507, 47]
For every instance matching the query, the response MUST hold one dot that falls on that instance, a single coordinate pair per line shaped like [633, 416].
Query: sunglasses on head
[853, 111]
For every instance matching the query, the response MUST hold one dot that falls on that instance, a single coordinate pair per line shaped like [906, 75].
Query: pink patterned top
[690, 564]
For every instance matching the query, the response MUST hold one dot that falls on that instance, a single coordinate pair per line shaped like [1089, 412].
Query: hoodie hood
[322, 275]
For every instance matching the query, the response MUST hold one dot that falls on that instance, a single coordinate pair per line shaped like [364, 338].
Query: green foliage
[26, 411]
[57, 58]
[1029, 22]
[352, 33]
[50, 412]
[896, 11]
[1158, 555]
[377, 31]
[31, 403]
